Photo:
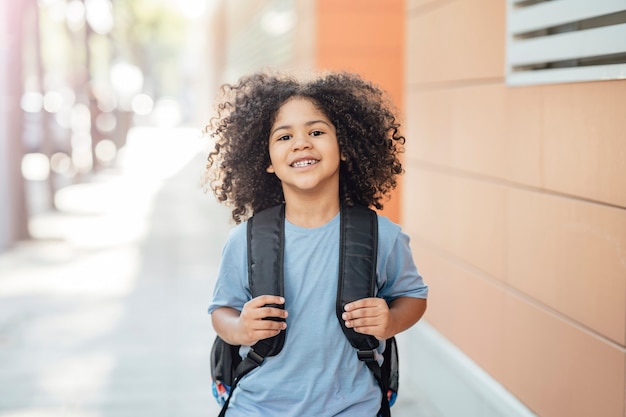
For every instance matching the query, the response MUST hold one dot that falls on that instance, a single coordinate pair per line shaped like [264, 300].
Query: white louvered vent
[556, 41]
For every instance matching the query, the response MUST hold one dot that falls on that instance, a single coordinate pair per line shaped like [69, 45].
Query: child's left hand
[369, 316]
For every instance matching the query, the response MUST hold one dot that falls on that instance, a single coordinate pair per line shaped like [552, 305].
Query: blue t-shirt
[317, 373]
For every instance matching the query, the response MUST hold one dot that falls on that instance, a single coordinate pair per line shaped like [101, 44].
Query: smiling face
[304, 152]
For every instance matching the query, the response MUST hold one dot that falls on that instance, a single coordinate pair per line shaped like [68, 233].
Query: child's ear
[344, 158]
[270, 169]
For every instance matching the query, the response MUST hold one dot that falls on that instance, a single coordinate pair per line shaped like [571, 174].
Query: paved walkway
[104, 313]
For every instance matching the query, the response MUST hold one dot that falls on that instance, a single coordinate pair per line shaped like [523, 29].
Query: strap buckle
[255, 357]
[367, 355]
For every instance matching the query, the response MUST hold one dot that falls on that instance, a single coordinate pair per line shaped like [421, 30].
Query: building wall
[515, 198]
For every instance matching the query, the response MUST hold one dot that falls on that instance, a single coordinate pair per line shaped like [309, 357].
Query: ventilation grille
[555, 41]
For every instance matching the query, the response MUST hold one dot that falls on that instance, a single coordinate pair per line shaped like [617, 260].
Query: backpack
[356, 280]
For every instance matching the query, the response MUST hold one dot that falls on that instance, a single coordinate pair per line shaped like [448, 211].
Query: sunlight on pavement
[113, 208]
[45, 412]
[106, 273]
[76, 327]
[66, 326]
[109, 214]
[78, 376]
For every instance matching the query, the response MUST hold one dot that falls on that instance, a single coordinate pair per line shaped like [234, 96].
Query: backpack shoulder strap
[357, 267]
[265, 236]
[266, 241]
[357, 279]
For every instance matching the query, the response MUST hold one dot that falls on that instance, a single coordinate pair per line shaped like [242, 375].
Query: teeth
[304, 163]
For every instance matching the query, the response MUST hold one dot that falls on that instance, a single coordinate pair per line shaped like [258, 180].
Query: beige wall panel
[468, 310]
[567, 254]
[523, 134]
[570, 255]
[553, 366]
[567, 138]
[585, 140]
[489, 130]
[559, 369]
[461, 40]
[464, 217]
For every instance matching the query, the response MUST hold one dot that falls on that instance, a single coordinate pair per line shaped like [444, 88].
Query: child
[312, 145]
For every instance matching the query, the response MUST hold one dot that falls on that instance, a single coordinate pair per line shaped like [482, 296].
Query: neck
[313, 213]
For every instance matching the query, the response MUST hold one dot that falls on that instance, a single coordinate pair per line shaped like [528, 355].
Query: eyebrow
[309, 123]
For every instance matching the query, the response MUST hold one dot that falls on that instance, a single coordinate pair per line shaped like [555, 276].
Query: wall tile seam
[426, 8]
[454, 259]
[453, 84]
[503, 182]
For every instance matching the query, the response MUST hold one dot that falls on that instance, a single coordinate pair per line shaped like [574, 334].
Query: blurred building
[515, 185]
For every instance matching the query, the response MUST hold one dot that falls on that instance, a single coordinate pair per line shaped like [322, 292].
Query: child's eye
[284, 137]
[317, 133]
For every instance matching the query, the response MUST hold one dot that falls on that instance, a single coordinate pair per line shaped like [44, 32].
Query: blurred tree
[150, 34]
[147, 33]
[46, 146]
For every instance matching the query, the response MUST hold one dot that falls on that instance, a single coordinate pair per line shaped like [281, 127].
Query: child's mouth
[304, 163]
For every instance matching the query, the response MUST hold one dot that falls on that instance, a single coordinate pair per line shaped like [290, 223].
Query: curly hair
[363, 116]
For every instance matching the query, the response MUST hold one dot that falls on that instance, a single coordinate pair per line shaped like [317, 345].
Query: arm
[249, 326]
[372, 315]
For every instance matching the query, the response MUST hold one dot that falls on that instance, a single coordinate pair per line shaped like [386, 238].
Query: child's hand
[254, 322]
[369, 316]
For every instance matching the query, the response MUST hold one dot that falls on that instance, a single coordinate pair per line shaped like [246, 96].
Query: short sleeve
[397, 273]
[231, 287]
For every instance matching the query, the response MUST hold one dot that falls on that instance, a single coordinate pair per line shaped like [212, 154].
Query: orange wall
[366, 37]
[517, 198]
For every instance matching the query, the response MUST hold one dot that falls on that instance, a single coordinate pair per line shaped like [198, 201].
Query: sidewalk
[104, 314]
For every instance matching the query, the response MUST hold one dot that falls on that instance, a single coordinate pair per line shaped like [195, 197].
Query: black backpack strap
[357, 268]
[357, 279]
[265, 242]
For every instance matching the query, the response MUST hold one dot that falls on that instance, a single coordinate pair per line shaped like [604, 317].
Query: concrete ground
[104, 312]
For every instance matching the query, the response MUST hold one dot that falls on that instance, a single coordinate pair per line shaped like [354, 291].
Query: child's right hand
[260, 320]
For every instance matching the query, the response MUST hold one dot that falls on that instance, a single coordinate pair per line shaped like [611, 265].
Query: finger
[366, 312]
[256, 308]
[362, 313]
[269, 325]
[263, 300]
[274, 312]
[363, 303]
[265, 334]
[367, 322]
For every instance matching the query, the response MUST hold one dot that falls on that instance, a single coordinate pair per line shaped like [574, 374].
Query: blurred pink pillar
[13, 210]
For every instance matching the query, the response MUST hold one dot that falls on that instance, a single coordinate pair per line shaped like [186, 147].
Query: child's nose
[301, 141]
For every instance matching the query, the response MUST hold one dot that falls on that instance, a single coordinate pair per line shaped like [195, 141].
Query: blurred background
[514, 195]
